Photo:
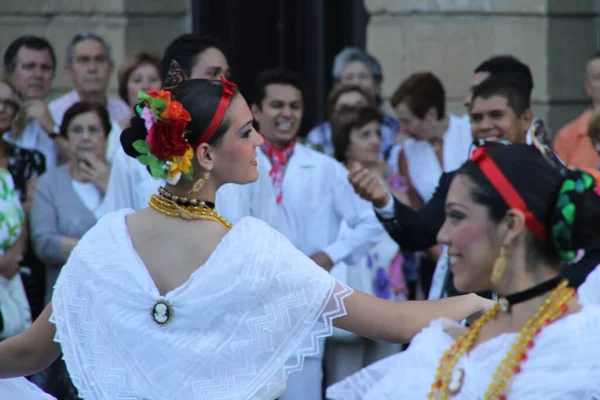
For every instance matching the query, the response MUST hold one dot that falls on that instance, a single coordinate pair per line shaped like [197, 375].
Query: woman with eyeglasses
[23, 164]
[511, 218]
[21, 276]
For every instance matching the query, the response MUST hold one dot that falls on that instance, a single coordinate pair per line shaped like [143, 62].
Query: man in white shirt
[89, 64]
[130, 184]
[30, 64]
[306, 197]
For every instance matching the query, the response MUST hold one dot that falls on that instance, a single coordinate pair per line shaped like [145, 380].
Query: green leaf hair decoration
[569, 196]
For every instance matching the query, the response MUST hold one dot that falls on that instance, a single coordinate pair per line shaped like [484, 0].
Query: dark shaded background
[303, 35]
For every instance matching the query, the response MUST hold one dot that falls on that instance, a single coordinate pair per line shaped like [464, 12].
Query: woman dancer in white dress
[137, 318]
[510, 219]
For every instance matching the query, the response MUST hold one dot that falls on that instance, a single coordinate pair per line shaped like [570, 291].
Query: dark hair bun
[136, 131]
[201, 98]
[576, 218]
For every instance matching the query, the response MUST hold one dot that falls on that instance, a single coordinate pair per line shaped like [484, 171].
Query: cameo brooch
[162, 312]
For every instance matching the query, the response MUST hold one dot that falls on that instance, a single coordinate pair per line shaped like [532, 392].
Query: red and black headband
[217, 119]
[507, 191]
[175, 82]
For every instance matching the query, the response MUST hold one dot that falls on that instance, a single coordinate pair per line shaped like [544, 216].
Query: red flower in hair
[165, 139]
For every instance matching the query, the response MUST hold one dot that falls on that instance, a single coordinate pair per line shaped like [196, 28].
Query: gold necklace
[447, 383]
[170, 208]
[183, 201]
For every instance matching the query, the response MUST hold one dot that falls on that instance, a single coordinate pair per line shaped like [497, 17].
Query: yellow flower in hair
[180, 166]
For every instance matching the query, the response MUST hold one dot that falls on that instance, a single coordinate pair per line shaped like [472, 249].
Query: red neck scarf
[279, 158]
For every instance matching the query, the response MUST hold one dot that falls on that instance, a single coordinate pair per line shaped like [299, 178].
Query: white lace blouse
[236, 329]
[564, 364]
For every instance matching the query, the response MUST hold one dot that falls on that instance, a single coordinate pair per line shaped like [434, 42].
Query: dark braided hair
[565, 201]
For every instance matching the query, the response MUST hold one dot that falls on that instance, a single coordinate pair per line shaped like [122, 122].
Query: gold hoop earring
[499, 266]
[200, 183]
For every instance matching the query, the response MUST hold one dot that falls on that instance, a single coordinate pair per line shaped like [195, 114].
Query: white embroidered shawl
[241, 323]
[589, 291]
[564, 364]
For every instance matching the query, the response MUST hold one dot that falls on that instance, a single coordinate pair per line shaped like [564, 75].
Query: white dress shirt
[317, 197]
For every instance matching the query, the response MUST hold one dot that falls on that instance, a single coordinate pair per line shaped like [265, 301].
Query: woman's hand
[9, 264]
[368, 186]
[483, 303]
[94, 170]
[10, 261]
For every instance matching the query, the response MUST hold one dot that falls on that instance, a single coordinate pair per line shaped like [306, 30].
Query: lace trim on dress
[333, 309]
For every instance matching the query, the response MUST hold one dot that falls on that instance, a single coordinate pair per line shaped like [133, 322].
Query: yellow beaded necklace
[448, 381]
[188, 212]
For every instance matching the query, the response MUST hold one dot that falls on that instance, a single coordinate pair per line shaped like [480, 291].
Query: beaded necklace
[448, 381]
[171, 208]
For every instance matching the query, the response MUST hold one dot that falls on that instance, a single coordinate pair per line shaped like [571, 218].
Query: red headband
[507, 191]
[220, 113]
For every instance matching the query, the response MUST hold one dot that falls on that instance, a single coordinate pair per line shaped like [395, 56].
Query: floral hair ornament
[510, 195]
[165, 151]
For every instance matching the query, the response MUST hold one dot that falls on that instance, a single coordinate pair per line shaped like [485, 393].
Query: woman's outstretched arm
[398, 322]
[32, 350]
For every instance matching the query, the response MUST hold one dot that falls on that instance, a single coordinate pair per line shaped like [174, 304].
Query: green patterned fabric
[569, 196]
[12, 216]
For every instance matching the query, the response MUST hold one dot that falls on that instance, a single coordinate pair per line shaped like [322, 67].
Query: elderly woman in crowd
[65, 206]
[357, 139]
[353, 66]
[342, 95]
[68, 197]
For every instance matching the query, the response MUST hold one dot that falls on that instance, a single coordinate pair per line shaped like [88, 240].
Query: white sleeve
[114, 143]
[364, 229]
[119, 193]
[22, 389]
[589, 291]
[404, 375]
[232, 202]
[387, 211]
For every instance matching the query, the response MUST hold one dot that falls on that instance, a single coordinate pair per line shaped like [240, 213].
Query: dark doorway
[303, 35]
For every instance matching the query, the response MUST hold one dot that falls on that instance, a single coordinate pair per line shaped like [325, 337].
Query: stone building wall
[127, 25]
[448, 37]
[451, 37]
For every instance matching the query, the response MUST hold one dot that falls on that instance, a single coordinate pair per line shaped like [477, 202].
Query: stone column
[127, 25]
[451, 37]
